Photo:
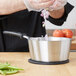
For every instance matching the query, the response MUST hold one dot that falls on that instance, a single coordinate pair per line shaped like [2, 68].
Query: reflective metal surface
[49, 49]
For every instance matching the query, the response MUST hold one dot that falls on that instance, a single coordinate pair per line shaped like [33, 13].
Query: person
[24, 16]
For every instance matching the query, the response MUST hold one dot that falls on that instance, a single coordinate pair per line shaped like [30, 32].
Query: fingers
[46, 4]
[42, 4]
[58, 4]
[42, 1]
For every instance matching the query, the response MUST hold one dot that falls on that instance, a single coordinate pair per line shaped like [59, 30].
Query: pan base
[48, 63]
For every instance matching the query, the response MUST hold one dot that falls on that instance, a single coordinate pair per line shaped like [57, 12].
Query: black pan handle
[16, 34]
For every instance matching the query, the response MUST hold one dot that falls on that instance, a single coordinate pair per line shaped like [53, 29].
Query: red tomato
[58, 33]
[68, 33]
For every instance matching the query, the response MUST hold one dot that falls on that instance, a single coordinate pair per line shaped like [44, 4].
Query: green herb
[6, 69]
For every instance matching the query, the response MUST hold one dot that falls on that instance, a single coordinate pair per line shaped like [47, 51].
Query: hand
[58, 4]
[38, 5]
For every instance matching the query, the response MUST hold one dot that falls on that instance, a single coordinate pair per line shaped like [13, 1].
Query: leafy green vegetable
[1, 72]
[6, 69]
[10, 71]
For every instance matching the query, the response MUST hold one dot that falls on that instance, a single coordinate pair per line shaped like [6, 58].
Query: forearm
[11, 6]
[57, 13]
